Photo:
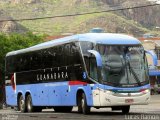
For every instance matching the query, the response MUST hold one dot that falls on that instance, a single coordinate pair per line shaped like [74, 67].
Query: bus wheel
[21, 104]
[125, 109]
[79, 103]
[84, 106]
[29, 105]
[152, 92]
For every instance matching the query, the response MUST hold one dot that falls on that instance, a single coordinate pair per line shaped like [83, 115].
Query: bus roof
[100, 38]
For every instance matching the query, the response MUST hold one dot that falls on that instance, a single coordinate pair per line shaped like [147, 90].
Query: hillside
[10, 26]
[149, 16]
[135, 22]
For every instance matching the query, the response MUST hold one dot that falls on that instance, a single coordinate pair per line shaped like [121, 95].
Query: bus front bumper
[108, 98]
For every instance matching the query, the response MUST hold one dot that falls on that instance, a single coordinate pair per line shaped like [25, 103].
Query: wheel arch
[27, 93]
[88, 94]
[79, 95]
[18, 96]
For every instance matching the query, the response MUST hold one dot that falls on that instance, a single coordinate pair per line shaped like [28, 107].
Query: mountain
[10, 26]
[147, 16]
[133, 21]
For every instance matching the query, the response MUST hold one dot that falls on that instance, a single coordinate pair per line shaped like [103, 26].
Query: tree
[14, 42]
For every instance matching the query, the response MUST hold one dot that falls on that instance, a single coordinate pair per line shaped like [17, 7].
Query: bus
[84, 70]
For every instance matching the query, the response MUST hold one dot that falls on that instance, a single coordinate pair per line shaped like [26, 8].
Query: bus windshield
[123, 65]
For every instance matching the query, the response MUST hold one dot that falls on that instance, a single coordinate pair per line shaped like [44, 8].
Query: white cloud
[156, 1]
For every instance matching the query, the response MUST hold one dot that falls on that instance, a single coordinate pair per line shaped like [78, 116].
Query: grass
[111, 22]
[81, 24]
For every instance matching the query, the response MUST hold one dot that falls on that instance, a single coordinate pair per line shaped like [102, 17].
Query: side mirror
[153, 55]
[97, 56]
[98, 59]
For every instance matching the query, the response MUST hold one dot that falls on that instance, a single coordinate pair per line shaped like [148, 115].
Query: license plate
[129, 100]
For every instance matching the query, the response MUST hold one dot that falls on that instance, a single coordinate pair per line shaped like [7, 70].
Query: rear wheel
[21, 104]
[29, 105]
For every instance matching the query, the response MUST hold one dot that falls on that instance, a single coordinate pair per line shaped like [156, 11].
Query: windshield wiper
[134, 74]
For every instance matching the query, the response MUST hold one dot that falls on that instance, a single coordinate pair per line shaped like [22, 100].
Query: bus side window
[35, 60]
[46, 59]
[20, 65]
[93, 67]
[53, 54]
[10, 64]
[77, 64]
[75, 54]
[67, 54]
[60, 56]
[27, 63]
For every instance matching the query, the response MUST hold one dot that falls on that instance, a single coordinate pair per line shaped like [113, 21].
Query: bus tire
[21, 104]
[152, 92]
[29, 104]
[83, 105]
[79, 103]
[125, 109]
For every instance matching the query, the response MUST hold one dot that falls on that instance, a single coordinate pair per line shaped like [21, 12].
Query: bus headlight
[109, 92]
[144, 91]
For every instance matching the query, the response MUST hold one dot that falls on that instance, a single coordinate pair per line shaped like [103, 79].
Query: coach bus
[84, 70]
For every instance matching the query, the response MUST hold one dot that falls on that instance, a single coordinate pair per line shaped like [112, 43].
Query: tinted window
[58, 56]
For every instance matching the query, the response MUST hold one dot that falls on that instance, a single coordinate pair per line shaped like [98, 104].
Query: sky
[157, 1]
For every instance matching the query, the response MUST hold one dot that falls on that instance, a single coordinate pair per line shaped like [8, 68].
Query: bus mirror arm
[153, 55]
[97, 56]
[98, 61]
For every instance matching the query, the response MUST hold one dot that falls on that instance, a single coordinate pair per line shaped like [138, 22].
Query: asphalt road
[138, 112]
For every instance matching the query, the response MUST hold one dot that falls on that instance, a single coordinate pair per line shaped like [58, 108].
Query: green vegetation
[10, 43]
[111, 21]
[15, 42]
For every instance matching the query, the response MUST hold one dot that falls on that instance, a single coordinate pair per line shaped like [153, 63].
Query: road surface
[138, 112]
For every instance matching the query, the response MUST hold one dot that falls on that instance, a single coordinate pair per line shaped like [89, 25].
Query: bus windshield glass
[123, 65]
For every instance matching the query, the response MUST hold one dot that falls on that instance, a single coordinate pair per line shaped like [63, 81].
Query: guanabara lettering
[52, 76]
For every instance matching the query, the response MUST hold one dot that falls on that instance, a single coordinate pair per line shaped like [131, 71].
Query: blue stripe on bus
[58, 93]
[106, 87]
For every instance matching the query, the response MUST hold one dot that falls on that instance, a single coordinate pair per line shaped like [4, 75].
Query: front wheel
[82, 105]
[125, 109]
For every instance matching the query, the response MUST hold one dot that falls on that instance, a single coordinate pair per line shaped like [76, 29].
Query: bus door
[94, 75]
[94, 68]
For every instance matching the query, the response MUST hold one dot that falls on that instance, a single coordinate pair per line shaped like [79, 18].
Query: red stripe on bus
[76, 82]
[13, 83]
